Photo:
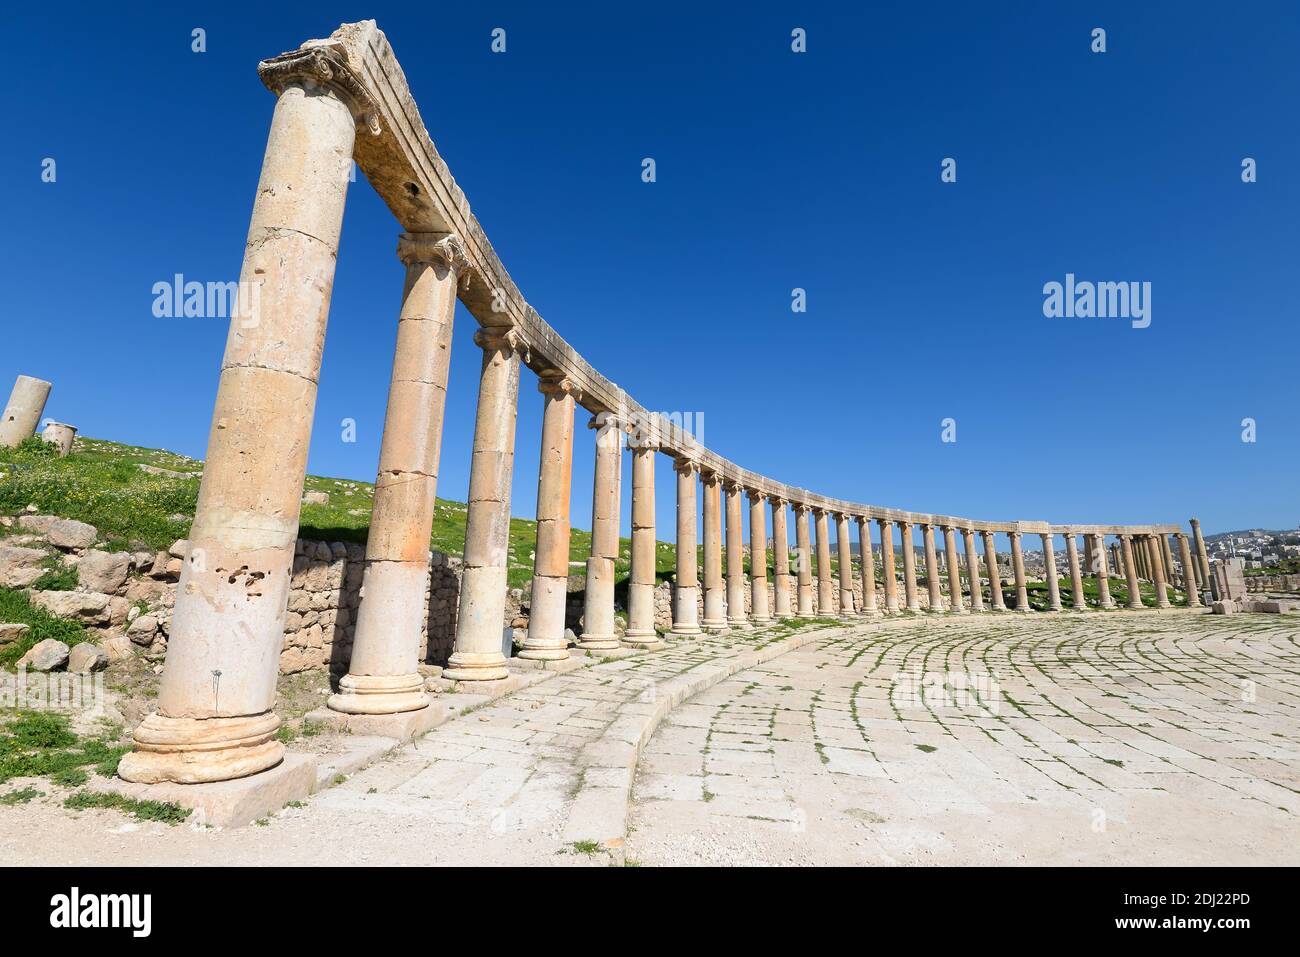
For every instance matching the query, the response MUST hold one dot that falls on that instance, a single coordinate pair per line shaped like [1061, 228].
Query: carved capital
[322, 66]
[558, 384]
[503, 339]
[685, 466]
[433, 248]
[756, 495]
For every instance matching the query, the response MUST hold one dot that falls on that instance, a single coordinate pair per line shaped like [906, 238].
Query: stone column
[1050, 572]
[888, 573]
[846, 566]
[995, 573]
[23, 412]
[1202, 557]
[933, 592]
[803, 545]
[736, 617]
[382, 676]
[715, 595]
[780, 559]
[60, 435]
[973, 571]
[909, 566]
[1103, 572]
[758, 558]
[545, 640]
[869, 608]
[687, 591]
[1018, 569]
[825, 586]
[1158, 570]
[1089, 562]
[1130, 570]
[480, 619]
[1142, 546]
[1167, 554]
[1189, 576]
[598, 604]
[1078, 599]
[954, 570]
[214, 720]
[641, 581]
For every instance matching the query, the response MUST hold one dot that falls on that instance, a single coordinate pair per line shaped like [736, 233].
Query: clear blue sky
[775, 171]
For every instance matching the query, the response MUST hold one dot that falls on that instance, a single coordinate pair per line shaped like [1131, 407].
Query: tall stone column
[687, 591]
[780, 559]
[1142, 546]
[888, 573]
[1167, 554]
[598, 604]
[995, 573]
[825, 586]
[214, 720]
[382, 676]
[933, 592]
[1078, 599]
[869, 608]
[909, 566]
[1202, 557]
[480, 620]
[973, 570]
[1103, 572]
[641, 581]
[954, 570]
[1189, 575]
[1018, 569]
[23, 412]
[736, 617]
[1050, 572]
[1158, 570]
[545, 640]
[846, 566]
[803, 545]
[1130, 570]
[1089, 562]
[715, 595]
[758, 558]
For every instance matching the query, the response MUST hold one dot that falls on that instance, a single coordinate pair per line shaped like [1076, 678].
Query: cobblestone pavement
[1068, 739]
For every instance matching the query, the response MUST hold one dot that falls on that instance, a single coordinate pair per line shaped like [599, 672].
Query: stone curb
[600, 807]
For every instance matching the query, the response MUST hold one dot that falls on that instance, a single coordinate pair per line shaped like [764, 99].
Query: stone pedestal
[758, 558]
[60, 435]
[736, 617]
[687, 587]
[382, 675]
[641, 587]
[598, 604]
[23, 411]
[973, 570]
[715, 596]
[803, 546]
[1018, 570]
[780, 560]
[480, 621]
[545, 640]
[214, 720]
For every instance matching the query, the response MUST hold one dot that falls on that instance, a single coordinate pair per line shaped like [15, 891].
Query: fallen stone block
[86, 658]
[103, 571]
[12, 631]
[69, 533]
[48, 655]
[19, 566]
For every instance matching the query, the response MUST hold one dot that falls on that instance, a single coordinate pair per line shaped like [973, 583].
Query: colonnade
[215, 719]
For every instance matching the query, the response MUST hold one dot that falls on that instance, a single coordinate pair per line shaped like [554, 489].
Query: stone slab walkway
[1071, 739]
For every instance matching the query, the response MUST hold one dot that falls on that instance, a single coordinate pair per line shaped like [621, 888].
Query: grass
[41, 744]
[586, 847]
[20, 796]
[57, 576]
[14, 607]
[164, 811]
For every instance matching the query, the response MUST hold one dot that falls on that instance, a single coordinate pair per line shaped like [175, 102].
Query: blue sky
[775, 170]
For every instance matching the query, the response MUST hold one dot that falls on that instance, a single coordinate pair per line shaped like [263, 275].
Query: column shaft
[736, 616]
[1051, 573]
[846, 566]
[954, 570]
[1102, 571]
[214, 719]
[1202, 557]
[1158, 544]
[598, 632]
[909, 566]
[545, 640]
[1077, 597]
[933, 592]
[641, 581]
[995, 574]
[22, 414]
[715, 594]
[803, 546]
[686, 592]
[758, 557]
[382, 676]
[888, 573]
[780, 559]
[868, 567]
[825, 585]
[1189, 575]
[1130, 570]
[973, 570]
[480, 621]
[1018, 569]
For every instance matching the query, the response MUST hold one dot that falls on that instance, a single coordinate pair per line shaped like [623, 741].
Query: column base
[686, 631]
[869, 613]
[544, 649]
[742, 624]
[476, 666]
[379, 694]
[202, 750]
[640, 638]
[765, 620]
[598, 642]
[714, 624]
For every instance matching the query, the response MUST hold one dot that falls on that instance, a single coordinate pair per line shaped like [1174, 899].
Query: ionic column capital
[503, 339]
[322, 66]
[433, 248]
[685, 466]
[552, 382]
[755, 495]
